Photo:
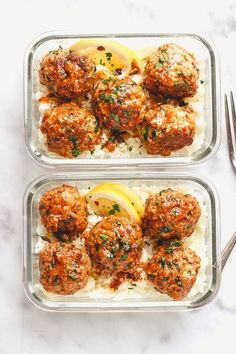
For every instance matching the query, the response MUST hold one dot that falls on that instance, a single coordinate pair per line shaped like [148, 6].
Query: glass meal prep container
[208, 233]
[210, 109]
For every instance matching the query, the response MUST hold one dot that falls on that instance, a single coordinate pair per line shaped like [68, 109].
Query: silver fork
[230, 116]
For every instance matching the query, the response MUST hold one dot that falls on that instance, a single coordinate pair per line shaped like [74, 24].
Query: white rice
[133, 146]
[99, 288]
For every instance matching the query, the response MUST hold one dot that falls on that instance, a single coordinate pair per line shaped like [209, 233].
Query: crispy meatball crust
[67, 73]
[171, 71]
[70, 130]
[63, 211]
[170, 214]
[167, 128]
[64, 268]
[114, 245]
[173, 269]
[119, 104]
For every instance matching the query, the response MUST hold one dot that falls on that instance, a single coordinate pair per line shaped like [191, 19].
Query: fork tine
[233, 111]
[228, 128]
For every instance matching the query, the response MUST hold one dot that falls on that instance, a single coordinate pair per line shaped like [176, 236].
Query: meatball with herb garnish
[64, 268]
[70, 130]
[114, 245]
[119, 104]
[63, 212]
[173, 269]
[171, 71]
[170, 214]
[67, 73]
[167, 128]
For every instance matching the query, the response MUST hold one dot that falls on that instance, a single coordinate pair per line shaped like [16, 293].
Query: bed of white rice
[99, 288]
[132, 147]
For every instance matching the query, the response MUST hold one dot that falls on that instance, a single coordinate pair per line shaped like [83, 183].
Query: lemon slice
[107, 200]
[116, 57]
[133, 198]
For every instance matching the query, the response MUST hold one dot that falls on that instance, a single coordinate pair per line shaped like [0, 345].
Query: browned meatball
[170, 214]
[64, 268]
[70, 130]
[167, 128]
[119, 104]
[173, 269]
[67, 73]
[114, 245]
[63, 211]
[171, 71]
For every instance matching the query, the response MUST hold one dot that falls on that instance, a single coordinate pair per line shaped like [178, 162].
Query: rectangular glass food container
[211, 99]
[85, 304]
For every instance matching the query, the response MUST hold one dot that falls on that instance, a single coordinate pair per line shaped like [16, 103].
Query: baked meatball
[171, 71]
[170, 214]
[167, 128]
[173, 269]
[63, 211]
[114, 245]
[119, 104]
[64, 268]
[70, 130]
[67, 73]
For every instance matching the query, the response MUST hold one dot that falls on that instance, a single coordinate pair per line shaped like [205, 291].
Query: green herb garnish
[115, 117]
[72, 276]
[166, 229]
[145, 133]
[175, 211]
[154, 133]
[179, 282]
[162, 262]
[165, 278]
[108, 56]
[123, 257]
[115, 208]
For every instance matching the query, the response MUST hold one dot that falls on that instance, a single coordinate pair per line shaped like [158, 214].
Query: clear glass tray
[211, 236]
[211, 109]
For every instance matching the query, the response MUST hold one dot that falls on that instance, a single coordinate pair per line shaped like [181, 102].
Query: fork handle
[227, 250]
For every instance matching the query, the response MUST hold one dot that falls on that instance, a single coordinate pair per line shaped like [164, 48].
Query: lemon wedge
[116, 57]
[115, 199]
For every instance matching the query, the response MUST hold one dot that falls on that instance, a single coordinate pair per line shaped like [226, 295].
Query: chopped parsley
[115, 208]
[106, 81]
[145, 133]
[115, 117]
[154, 133]
[170, 248]
[72, 276]
[126, 112]
[165, 278]
[123, 257]
[179, 282]
[101, 62]
[201, 81]
[107, 99]
[166, 229]
[104, 237]
[175, 211]
[108, 56]
[75, 151]
[96, 128]
[162, 262]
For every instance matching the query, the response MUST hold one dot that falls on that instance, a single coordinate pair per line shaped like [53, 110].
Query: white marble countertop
[24, 328]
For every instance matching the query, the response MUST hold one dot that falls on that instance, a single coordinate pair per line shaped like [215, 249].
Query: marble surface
[24, 328]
